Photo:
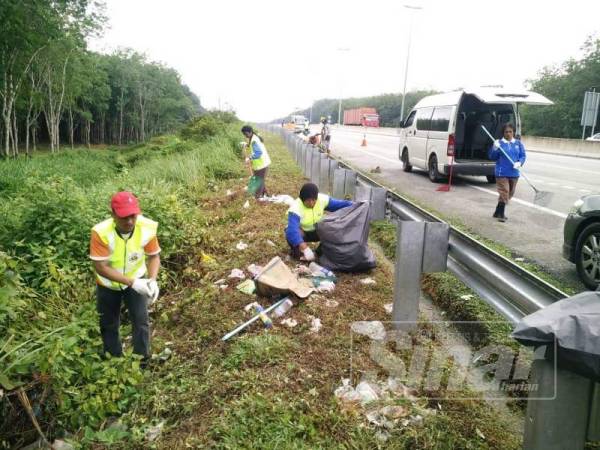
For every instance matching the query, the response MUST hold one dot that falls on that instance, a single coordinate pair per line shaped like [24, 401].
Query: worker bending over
[304, 214]
[125, 253]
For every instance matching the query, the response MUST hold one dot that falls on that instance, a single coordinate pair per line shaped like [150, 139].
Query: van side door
[437, 140]
[418, 139]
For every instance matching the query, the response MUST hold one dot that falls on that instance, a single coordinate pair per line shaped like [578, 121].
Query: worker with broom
[125, 252]
[509, 154]
[302, 217]
[258, 159]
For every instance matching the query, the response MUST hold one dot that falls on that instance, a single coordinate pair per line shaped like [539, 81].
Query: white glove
[153, 290]
[496, 144]
[247, 160]
[140, 285]
[517, 165]
[308, 254]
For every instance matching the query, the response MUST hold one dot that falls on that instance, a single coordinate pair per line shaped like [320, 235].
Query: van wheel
[491, 178]
[433, 173]
[405, 163]
[587, 256]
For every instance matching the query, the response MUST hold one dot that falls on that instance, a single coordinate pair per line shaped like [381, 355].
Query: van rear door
[501, 95]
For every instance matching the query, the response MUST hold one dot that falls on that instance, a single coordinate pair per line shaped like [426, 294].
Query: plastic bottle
[283, 308]
[261, 312]
[320, 271]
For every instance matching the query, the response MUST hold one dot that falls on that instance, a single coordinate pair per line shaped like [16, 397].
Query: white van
[445, 129]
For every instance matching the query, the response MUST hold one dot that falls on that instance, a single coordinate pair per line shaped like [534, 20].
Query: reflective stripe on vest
[264, 160]
[309, 217]
[126, 256]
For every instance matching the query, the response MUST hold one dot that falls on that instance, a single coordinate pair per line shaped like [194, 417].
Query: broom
[541, 198]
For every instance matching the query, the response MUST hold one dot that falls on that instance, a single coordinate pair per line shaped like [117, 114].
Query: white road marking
[552, 184]
[571, 169]
[397, 161]
[568, 187]
[523, 202]
[585, 191]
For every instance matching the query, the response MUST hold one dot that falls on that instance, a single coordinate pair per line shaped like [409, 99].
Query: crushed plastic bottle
[282, 309]
[261, 312]
[320, 271]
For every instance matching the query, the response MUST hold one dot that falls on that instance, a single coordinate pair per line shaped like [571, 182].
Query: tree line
[53, 89]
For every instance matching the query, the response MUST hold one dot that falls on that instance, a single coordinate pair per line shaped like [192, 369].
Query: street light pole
[407, 57]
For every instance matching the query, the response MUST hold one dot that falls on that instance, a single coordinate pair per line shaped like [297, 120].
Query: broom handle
[509, 158]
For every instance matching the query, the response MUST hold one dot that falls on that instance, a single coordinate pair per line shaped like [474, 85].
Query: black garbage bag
[344, 237]
[574, 323]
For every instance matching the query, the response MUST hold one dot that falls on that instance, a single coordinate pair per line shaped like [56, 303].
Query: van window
[441, 118]
[410, 119]
[424, 119]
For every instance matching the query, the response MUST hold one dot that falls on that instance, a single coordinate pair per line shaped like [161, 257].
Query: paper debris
[247, 287]
[289, 322]
[247, 204]
[315, 325]
[254, 269]
[389, 307]
[467, 297]
[367, 281]
[152, 433]
[270, 242]
[229, 193]
[237, 273]
[241, 246]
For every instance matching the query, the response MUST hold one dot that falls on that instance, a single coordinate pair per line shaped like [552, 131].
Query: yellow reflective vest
[126, 255]
[309, 217]
[263, 160]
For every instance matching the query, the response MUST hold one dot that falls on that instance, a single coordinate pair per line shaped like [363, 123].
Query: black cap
[247, 129]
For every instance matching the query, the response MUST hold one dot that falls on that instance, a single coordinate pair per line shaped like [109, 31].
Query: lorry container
[366, 117]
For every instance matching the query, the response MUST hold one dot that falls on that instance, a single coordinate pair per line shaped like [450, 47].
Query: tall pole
[407, 58]
[340, 101]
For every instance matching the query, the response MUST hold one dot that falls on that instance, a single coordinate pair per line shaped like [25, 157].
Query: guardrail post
[420, 247]
[308, 162]
[376, 197]
[350, 184]
[561, 421]
[339, 181]
[324, 181]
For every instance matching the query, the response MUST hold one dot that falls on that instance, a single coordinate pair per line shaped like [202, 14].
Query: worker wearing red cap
[125, 253]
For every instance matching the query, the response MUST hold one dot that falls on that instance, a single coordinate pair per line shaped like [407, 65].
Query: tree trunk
[71, 127]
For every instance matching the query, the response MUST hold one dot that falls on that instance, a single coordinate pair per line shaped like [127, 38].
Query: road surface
[532, 232]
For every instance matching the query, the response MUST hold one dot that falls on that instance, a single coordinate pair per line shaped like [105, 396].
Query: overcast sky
[266, 58]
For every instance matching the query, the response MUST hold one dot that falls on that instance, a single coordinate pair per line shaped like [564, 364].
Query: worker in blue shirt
[303, 216]
[507, 171]
[257, 157]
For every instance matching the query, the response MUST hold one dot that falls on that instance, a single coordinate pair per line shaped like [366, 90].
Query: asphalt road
[532, 232]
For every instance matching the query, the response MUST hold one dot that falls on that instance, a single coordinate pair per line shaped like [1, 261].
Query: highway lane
[532, 232]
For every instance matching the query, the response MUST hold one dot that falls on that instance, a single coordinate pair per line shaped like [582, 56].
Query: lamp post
[414, 8]
[345, 49]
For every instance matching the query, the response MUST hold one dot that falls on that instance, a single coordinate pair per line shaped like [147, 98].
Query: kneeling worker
[304, 214]
[125, 253]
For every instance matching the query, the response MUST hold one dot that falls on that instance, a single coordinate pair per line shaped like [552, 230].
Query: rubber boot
[501, 216]
[497, 212]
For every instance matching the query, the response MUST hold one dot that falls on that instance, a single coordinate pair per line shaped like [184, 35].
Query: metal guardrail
[510, 289]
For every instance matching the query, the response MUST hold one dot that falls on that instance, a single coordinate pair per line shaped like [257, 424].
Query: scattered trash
[270, 242]
[237, 273]
[301, 269]
[258, 309]
[518, 260]
[369, 392]
[331, 303]
[346, 392]
[223, 286]
[249, 307]
[323, 285]
[220, 281]
[394, 411]
[467, 297]
[377, 418]
[382, 435]
[319, 271]
[164, 355]
[479, 433]
[254, 270]
[247, 204]
[229, 193]
[367, 281]
[283, 198]
[282, 309]
[277, 279]
[374, 329]
[290, 323]
[389, 307]
[315, 324]
[152, 433]
[247, 287]
[241, 246]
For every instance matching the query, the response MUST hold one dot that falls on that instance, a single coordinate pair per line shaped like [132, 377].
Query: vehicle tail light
[450, 149]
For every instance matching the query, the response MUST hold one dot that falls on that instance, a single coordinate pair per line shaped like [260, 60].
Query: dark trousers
[262, 173]
[308, 236]
[108, 304]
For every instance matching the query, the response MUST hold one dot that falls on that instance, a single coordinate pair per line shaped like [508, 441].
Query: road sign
[591, 101]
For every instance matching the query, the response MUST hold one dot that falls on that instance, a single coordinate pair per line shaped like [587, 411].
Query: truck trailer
[367, 117]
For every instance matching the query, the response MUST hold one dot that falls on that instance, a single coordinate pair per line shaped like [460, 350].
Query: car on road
[595, 137]
[581, 243]
[444, 130]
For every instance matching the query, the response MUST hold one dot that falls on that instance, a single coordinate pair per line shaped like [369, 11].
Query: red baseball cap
[125, 204]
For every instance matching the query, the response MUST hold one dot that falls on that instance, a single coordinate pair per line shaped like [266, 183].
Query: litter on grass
[315, 324]
[331, 303]
[270, 243]
[237, 273]
[221, 281]
[241, 246]
[247, 287]
[389, 307]
[374, 329]
[283, 198]
[302, 270]
[323, 286]
[229, 193]
[367, 281]
[247, 204]
[467, 296]
[289, 322]
[254, 270]
[152, 433]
